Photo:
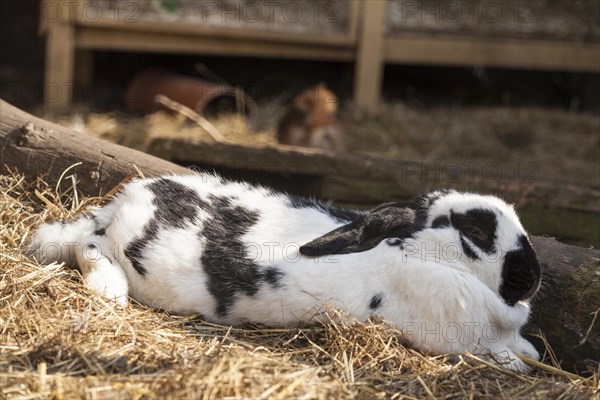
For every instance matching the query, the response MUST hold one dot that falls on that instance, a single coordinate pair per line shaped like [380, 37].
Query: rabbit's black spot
[225, 259]
[100, 230]
[521, 273]
[339, 214]
[176, 206]
[90, 246]
[133, 251]
[420, 215]
[376, 301]
[440, 222]
[479, 226]
[273, 277]
[394, 242]
[426, 200]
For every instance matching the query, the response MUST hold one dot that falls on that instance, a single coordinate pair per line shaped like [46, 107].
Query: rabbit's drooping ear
[389, 220]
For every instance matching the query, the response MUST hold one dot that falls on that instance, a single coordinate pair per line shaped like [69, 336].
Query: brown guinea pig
[310, 121]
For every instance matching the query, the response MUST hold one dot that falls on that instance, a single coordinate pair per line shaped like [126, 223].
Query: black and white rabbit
[453, 271]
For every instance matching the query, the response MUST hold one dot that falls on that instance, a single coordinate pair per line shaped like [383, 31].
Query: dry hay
[562, 145]
[60, 340]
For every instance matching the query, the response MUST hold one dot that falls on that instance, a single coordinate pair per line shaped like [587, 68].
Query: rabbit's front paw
[103, 275]
[524, 347]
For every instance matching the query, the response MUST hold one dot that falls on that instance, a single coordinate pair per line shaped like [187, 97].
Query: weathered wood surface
[563, 310]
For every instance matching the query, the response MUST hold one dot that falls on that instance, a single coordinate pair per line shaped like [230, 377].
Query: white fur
[442, 301]
[102, 275]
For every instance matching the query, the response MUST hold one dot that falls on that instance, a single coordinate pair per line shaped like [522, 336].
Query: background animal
[310, 121]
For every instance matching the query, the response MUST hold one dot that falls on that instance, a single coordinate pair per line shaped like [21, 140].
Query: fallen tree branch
[563, 310]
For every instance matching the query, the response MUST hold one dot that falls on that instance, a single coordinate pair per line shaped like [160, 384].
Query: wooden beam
[471, 50]
[354, 15]
[369, 62]
[114, 39]
[199, 30]
[60, 57]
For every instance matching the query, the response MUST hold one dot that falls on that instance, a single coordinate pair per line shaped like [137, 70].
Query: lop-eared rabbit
[453, 271]
[311, 121]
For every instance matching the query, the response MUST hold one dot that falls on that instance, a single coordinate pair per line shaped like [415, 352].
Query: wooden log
[60, 61]
[364, 180]
[565, 309]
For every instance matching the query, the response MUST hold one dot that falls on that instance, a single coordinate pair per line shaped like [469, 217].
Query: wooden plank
[280, 159]
[435, 49]
[344, 39]
[353, 20]
[60, 54]
[112, 39]
[428, 49]
[346, 178]
[369, 62]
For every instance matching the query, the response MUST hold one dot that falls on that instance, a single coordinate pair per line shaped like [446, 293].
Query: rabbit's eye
[477, 225]
[480, 238]
[475, 233]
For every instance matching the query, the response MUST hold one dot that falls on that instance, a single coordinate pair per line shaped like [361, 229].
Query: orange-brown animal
[311, 121]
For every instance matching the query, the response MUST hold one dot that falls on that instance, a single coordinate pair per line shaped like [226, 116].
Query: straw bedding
[60, 340]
